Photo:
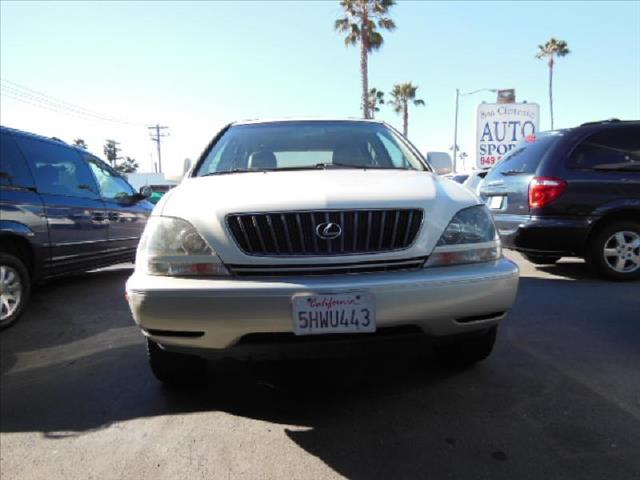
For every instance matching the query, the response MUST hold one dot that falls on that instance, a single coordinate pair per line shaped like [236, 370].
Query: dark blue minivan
[572, 192]
[62, 210]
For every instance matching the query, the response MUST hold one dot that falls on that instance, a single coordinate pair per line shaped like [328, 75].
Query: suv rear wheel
[467, 351]
[614, 251]
[15, 287]
[175, 368]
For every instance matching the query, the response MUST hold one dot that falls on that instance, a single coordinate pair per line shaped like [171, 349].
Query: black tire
[540, 259]
[603, 264]
[175, 368]
[11, 263]
[464, 352]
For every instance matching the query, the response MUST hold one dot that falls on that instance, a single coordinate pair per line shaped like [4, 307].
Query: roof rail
[597, 122]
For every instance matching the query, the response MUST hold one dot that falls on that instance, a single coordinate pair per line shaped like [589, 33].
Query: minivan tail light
[544, 190]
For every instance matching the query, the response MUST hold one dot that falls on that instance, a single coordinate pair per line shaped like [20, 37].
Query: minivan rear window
[526, 157]
[612, 149]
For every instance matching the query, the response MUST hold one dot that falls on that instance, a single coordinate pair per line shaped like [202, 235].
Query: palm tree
[375, 98]
[403, 94]
[550, 50]
[128, 165]
[361, 22]
[111, 151]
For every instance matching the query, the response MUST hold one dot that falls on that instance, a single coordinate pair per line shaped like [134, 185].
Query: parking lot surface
[559, 398]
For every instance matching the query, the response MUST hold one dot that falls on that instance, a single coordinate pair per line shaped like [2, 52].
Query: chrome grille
[294, 233]
[327, 268]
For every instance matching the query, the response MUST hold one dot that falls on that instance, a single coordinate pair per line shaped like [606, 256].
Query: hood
[205, 201]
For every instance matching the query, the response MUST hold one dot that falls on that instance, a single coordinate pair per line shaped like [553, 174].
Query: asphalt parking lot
[559, 398]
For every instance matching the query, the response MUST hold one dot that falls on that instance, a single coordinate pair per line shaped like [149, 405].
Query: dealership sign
[500, 127]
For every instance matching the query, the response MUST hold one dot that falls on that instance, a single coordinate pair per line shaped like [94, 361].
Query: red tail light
[544, 190]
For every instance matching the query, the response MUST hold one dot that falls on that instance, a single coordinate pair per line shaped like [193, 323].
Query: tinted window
[611, 149]
[306, 145]
[526, 157]
[14, 170]
[59, 170]
[111, 184]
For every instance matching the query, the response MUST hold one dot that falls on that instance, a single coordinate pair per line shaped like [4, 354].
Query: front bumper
[544, 235]
[440, 301]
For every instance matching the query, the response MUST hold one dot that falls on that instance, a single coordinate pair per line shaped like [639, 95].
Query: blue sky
[195, 66]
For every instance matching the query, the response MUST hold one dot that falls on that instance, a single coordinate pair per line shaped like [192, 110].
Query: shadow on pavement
[573, 270]
[67, 310]
[520, 414]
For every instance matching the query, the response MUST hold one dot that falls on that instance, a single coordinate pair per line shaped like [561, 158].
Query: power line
[159, 133]
[19, 99]
[16, 88]
[35, 98]
[45, 97]
[37, 102]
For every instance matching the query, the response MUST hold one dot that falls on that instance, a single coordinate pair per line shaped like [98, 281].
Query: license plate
[495, 203]
[334, 313]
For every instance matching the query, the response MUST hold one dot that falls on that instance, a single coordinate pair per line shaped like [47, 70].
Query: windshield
[308, 145]
[526, 157]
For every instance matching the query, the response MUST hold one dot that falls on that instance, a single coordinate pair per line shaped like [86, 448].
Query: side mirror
[440, 162]
[146, 192]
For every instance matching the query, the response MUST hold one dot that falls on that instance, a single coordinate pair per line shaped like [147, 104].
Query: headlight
[470, 237]
[173, 247]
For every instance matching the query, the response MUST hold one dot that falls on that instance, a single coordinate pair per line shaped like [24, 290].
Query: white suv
[286, 229]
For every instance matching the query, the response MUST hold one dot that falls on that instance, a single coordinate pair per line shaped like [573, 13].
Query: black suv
[573, 192]
[62, 210]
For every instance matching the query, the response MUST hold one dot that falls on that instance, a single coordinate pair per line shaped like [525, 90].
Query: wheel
[174, 368]
[466, 351]
[15, 286]
[614, 251]
[541, 259]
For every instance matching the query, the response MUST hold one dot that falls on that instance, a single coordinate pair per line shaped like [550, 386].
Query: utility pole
[157, 132]
[455, 132]
[455, 127]
[111, 151]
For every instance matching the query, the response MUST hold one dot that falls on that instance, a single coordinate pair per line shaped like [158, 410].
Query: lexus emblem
[328, 230]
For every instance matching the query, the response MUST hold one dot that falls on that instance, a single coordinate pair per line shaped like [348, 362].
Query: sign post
[500, 127]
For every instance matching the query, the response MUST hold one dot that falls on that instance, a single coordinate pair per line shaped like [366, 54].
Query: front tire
[175, 368]
[614, 251]
[467, 351]
[15, 287]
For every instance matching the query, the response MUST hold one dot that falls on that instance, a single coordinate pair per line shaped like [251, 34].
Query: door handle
[98, 217]
[114, 216]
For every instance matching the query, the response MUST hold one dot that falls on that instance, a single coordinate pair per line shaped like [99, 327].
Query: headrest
[262, 160]
[351, 154]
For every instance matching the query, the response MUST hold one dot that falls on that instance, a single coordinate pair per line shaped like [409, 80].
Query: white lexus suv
[335, 228]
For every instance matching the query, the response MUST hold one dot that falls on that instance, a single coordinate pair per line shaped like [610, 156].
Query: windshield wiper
[337, 165]
[359, 167]
[513, 172]
[222, 172]
[317, 166]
